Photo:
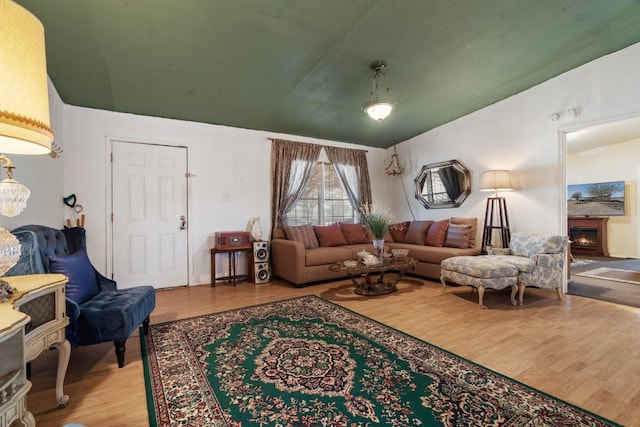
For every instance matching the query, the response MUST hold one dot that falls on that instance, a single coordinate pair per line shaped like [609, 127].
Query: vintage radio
[232, 239]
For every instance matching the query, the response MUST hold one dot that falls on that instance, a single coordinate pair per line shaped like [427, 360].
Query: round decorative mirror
[443, 185]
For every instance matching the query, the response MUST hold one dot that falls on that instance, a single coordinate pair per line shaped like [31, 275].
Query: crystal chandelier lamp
[378, 109]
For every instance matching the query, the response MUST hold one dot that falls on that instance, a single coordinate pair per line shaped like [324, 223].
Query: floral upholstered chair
[539, 258]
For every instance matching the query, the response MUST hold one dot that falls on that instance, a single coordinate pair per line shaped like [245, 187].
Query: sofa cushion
[458, 236]
[417, 232]
[437, 233]
[303, 234]
[399, 230]
[473, 222]
[82, 284]
[432, 254]
[329, 235]
[326, 255]
[353, 233]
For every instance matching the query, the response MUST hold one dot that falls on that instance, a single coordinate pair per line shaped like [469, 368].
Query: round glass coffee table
[389, 273]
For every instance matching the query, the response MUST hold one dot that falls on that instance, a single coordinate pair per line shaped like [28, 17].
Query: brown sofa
[302, 255]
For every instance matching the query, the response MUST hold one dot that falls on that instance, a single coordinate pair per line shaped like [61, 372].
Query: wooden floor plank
[584, 351]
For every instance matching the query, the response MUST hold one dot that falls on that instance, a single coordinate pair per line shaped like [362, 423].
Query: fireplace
[588, 236]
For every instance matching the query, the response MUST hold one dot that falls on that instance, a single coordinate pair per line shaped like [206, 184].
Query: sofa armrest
[288, 260]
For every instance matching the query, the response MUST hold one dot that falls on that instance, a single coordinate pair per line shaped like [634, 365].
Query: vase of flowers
[378, 221]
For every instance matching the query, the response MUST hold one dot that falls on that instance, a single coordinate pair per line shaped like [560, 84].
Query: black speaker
[261, 272]
[260, 252]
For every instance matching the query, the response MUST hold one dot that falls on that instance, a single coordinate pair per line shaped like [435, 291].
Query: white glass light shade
[496, 180]
[24, 96]
[378, 110]
[13, 197]
[9, 251]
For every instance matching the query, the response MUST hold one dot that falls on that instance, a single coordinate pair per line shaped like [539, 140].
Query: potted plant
[378, 221]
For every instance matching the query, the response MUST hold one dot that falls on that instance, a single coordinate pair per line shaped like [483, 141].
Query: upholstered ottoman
[481, 272]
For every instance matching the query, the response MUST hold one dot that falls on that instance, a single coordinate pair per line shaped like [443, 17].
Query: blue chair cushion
[82, 284]
[113, 315]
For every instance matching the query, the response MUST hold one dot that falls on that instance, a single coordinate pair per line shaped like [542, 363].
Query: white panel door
[149, 215]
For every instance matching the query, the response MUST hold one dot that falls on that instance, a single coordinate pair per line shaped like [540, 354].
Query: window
[324, 200]
[435, 191]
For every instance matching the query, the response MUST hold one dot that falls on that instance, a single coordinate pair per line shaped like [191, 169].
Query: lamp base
[496, 218]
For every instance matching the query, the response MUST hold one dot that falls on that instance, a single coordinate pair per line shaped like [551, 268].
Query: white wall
[517, 134]
[623, 232]
[43, 176]
[231, 167]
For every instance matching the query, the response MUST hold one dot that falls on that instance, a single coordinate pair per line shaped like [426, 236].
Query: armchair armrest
[104, 284]
[73, 313]
[550, 260]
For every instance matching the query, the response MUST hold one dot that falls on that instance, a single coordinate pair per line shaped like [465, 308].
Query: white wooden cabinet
[13, 380]
[33, 320]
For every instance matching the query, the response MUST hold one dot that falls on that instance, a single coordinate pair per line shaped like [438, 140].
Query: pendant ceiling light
[378, 109]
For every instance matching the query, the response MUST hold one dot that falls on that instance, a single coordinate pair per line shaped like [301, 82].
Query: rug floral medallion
[309, 362]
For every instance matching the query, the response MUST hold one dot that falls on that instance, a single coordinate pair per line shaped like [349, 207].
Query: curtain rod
[273, 139]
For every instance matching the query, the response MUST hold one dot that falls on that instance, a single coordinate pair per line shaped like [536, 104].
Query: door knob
[183, 223]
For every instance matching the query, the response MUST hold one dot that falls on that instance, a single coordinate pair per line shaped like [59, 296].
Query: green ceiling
[301, 66]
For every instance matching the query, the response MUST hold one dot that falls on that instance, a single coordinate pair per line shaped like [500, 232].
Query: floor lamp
[495, 216]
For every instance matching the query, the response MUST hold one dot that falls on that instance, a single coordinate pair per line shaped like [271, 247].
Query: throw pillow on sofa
[399, 230]
[303, 234]
[458, 236]
[353, 233]
[473, 222]
[329, 235]
[417, 232]
[82, 284]
[437, 233]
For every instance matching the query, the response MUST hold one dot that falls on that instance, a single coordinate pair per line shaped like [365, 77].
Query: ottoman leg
[514, 290]
[481, 296]
[444, 284]
[559, 292]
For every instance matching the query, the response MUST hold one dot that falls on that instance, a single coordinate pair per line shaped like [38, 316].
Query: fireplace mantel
[588, 235]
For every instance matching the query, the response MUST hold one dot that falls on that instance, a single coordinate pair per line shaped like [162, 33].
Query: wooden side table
[233, 276]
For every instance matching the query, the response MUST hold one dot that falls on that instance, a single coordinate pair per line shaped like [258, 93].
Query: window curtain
[353, 171]
[292, 164]
[451, 181]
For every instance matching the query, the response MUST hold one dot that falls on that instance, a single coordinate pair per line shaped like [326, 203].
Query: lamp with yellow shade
[24, 110]
[496, 219]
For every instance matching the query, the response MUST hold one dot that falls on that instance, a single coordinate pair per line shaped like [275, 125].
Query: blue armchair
[98, 311]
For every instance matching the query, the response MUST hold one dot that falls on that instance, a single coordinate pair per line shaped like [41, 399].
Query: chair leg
[145, 326]
[120, 349]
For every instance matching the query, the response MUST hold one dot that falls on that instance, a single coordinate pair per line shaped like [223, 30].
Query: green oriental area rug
[308, 362]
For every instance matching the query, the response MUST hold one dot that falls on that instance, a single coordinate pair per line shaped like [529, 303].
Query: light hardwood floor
[580, 350]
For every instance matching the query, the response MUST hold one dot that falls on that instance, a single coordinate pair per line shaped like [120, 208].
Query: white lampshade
[24, 96]
[496, 180]
[378, 110]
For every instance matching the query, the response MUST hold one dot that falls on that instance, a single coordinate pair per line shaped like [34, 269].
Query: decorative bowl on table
[350, 263]
[362, 254]
[400, 253]
[370, 260]
[387, 255]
